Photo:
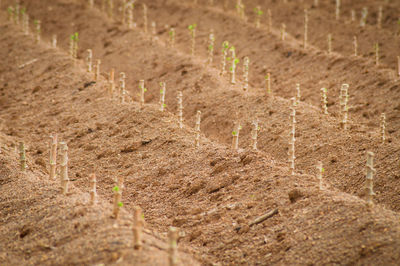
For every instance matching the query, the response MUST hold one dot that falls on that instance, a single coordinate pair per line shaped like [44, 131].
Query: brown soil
[210, 193]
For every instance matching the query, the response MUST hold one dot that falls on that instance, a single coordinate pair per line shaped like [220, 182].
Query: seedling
[240, 9]
[320, 173]
[162, 96]
[92, 192]
[324, 100]
[225, 47]
[343, 100]
[111, 83]
[180, 108]
[246, 62]
[171, 37]
[10, 11]
[305, 28]
[129, 9]
[379, 20]
[54, 41]
[192, 30]
[173, 246]
[64, 168]
[38, 30]
[122, 91]
[89, 59]
[329, 43]
[369, 185]
[254, 134]
[283, 31]
[117, 201]
[376, 48]
[269, 13]
[292, 139]
[298, 94]
[235, 61]
[75, 50]
[211, 41]
[268, 83]
[337, 13]
[383, 128]
[355, 44]
[22, 156]
[197, 129]
[97, 70]
[235, 136]
[145, 18]
[138, 223]
[364, 14]
[53, 156]
[259, 13]
[142, 91]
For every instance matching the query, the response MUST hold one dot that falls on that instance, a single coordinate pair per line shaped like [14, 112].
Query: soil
[211, 193]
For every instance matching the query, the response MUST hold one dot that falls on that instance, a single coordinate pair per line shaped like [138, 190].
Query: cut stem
[53, 156]
[64, 168]
[197, 129]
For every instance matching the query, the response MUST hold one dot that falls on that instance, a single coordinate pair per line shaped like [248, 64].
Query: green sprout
[192, 27]
[258, 11]
[115, 189]
[161, 91]
[120, 204]
[225, 46]
[234, 133]
[36, 22]
[210, 47]
[10, 10]
[266, 77]
[165, 105]
[322, 170]
[23, 10]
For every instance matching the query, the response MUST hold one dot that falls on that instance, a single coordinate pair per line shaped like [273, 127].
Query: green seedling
[117, 197]
[259, 13]
[10, 11]
[235, 61]
[171, 37]
[225, 47]
[235, 136]
[246, 64]
[192, 30]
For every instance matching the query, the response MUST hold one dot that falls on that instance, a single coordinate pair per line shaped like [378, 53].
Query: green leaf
[143, 216]
[234, 133]
[120, 204]
[266, 77]
[210, 47]
[228, 59]
[161, 91]
[145, 89]
[236, 61]
[164, 105]
[115, 189]
[323, 170]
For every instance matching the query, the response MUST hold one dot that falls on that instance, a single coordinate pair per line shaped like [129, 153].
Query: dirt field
[211, 193]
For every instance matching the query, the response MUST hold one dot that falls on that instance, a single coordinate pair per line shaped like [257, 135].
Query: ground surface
[211, 193]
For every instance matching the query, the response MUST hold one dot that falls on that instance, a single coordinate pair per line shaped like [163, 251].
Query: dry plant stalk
[268, 83]
[142, 91]
[22, 156]
[111, 83]
[172, 37]
[246, 63]
[353, 15]
[320, 173]
[75, 48]
[235, 136]
[292, 138]
[298, 93]
[91, 3]
[398, 65]
[129, 10]
[180, 109]
[355, 44]
[123, 12]
[138, 224]
[337, 13]
[122, 91]
[305, 28]
[259, 13]
[254, 134]
[197, 129]
[235, 61]
[173, 246]
[364, 14]
[192, 29]
[25, 23]
[162, 96]
[145, 18]
[53, 156]
[54, 41]
[64, 168]
[117, 198]
[225, 47]
[92, 192]
[89, 59]
[153, 28]
[329, 43]
[383, 127]
[379, 22]
[38, 30]
[376, 46]
[283, 31]
[97, 72]
[369, 185]
[343, 100]
[316, 3]
[324, 100]
[269, 21]
[211, 41]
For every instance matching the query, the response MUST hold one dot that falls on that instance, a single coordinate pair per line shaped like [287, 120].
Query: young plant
[369, 185]
[337, 11]
[162, 96]
[225, 47]
[75, 49]
[324, 100]
[180, 109]
[376, 48]
[129, 10]
[89, 58]
[54, 41]
[329, 43]
[173, 246]
[53, 156]
[283, 31]
[22, 156]
[259, 13]
[235, 61]
[240, 9]
[305, 28]
[292, 138]
[145, 18]
[64, 168]
[117, 201]
[246, 63]
[192, 30]
[171, 37]
[343, 100]
[122, 91]
[38, 29]
[138, 223]
[355, 44]
[235, 136]
[97, 70]
[142, 91]
[364, 14]
[211, 41]
[379, 20]
[10, 11]
[383, 128]
[268, 83]
[254, 134]
[92, 191]
[320, 173]
[197, 129]
[298, 94]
